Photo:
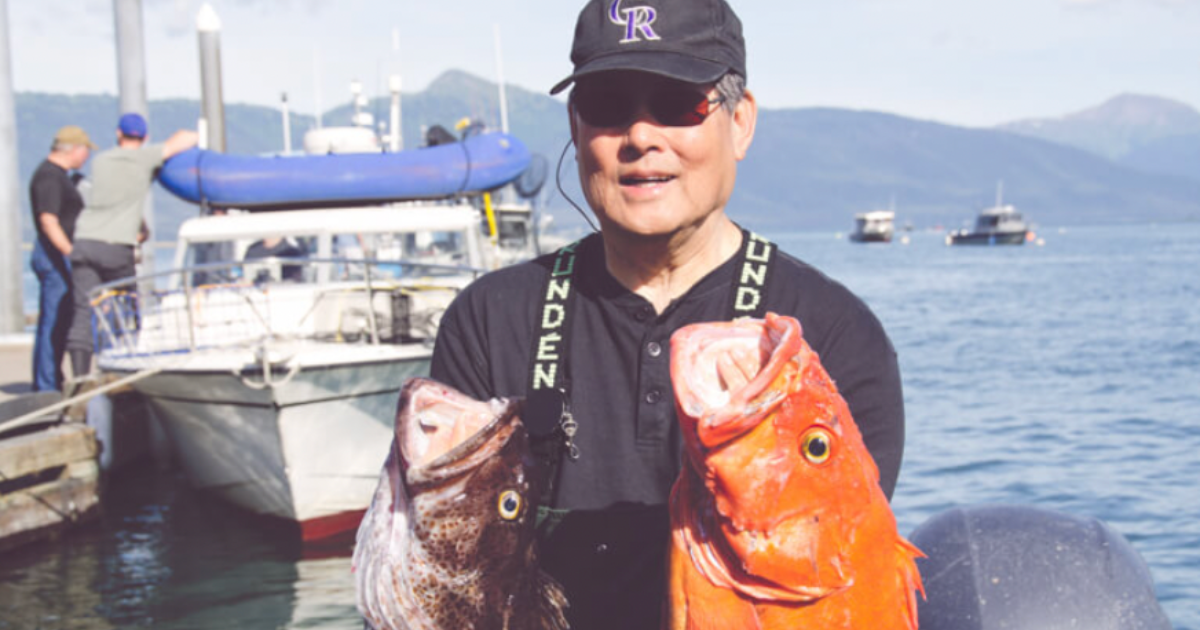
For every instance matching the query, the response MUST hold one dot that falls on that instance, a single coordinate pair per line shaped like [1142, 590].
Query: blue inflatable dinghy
[480, 163]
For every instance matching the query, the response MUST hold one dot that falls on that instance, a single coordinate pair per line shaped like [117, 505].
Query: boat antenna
[396, 138]
[500, 81]
[558, 183]
[287, 125]
[317, 85]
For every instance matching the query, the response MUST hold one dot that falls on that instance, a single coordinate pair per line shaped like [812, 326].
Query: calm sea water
[1065, 376]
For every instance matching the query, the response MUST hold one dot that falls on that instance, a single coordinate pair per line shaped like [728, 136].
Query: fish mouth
[442, 432]
[722, 373]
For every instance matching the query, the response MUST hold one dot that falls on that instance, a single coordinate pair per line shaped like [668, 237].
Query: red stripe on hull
[331, 529]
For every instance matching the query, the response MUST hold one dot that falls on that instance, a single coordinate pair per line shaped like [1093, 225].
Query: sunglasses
[602, 105]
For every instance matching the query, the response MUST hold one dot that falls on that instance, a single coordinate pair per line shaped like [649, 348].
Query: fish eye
[509, 505]
[816, 445]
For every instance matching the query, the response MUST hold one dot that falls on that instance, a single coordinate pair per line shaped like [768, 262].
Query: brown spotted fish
[448, 542]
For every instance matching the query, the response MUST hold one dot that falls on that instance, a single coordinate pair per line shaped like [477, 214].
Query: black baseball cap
[696, 41]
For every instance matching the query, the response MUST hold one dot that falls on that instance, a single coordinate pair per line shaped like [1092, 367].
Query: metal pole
[287, 126]
[356, 96]
[12, 310]
[131, 57]
[397, 137]
[395, 84]
[212, 105]
[371, 323]
[131, 82]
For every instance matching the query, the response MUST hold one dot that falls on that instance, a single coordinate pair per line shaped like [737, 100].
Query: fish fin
[910, 577]
[554, 602]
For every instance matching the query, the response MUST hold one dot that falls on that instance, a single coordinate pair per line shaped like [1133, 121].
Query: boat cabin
[435, 234]
[875, 226]
[1000, 219]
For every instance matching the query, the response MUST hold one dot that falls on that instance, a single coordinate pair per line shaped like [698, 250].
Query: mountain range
[1131, 159]
[1144, 132]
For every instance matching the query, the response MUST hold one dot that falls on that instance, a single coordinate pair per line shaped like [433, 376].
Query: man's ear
[745, 117]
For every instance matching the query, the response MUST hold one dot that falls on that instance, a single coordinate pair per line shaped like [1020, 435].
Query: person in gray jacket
[111, 225]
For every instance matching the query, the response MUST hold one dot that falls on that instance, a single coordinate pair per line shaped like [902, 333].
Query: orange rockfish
[778, 519]
[448, 542]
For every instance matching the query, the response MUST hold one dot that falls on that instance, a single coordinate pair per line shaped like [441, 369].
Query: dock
[49, 473]
[49, 481]
[16, 365]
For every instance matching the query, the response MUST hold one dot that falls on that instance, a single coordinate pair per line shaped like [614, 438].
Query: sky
[964, 62]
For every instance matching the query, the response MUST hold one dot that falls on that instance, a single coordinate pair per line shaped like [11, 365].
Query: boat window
[437, 248]
[271, 248]
[514, 231]
[211, 253]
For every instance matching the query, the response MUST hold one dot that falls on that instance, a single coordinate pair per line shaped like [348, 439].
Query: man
[111, 226]
[277, 247]
[659, 120]
[56, 204]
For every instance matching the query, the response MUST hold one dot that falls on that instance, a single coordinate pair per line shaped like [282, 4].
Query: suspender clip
[569, 427]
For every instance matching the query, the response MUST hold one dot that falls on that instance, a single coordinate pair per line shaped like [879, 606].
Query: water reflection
[165, 556]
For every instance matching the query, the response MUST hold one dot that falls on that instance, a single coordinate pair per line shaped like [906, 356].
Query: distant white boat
[999, 225]
[877, 226]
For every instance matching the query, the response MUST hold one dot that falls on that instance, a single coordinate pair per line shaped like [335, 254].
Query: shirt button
[653, 396]
[643, 313]
[601, 549]
[653, 349]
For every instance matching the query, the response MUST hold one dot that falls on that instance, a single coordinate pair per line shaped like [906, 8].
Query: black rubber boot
[81, 363]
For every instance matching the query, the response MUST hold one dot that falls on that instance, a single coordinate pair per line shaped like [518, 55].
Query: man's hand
[53, 231]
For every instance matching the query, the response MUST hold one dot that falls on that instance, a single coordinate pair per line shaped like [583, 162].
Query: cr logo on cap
[636, 20]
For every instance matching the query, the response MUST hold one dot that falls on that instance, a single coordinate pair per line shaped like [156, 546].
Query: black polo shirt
[619, 362]
[610, 553]
[51, 191]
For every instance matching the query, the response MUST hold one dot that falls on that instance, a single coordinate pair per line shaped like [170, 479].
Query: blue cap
[132, 126]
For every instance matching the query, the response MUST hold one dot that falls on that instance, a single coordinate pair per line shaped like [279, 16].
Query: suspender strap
[547, 413]
[547, 405]
[753, 271]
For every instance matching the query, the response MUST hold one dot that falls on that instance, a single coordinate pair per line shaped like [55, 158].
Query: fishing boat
[873, 227]
[998, 225]
[274, 371]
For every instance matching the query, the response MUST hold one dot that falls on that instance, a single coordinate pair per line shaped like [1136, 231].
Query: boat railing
[245, 303]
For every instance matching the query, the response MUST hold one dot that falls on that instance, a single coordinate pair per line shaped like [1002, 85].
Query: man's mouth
[645, 180]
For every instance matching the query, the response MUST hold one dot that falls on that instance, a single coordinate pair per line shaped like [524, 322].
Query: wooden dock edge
[49, 481]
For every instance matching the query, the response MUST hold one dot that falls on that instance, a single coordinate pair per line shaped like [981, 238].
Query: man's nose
[643, 132]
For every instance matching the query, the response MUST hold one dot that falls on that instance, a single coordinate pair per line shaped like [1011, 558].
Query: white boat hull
[308, 450]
